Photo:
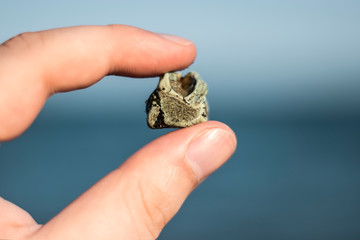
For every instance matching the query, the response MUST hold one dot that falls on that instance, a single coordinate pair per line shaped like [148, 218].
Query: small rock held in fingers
[177, 101]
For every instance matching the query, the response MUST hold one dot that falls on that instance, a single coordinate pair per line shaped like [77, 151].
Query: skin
[136, 200]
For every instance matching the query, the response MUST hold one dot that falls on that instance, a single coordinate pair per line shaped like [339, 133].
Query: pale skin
[136, 200]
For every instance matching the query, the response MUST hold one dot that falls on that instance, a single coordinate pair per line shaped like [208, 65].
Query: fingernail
[176, 39]
[210, 150]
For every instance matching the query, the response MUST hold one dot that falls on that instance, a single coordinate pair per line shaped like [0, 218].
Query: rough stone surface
[177, 101]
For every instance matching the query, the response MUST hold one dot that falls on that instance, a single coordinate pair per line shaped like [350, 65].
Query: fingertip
[210, 148]
[189, 46]
[204, 147]
[212, 125]
[176, 39]
[217, 124]
[148, 54]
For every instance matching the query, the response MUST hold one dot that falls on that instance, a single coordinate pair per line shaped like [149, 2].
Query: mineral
[177, 101]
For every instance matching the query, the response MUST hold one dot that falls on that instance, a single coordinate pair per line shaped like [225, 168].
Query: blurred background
[285, 75]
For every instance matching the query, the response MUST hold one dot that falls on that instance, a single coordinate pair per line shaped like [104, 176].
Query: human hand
[136, 200]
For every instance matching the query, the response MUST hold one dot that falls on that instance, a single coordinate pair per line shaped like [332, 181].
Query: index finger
[35, 65]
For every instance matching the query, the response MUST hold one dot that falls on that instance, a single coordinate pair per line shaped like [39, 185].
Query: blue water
[285, 181]
[283, 74]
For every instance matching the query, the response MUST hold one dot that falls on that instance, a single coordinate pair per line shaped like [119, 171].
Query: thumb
[136, 200]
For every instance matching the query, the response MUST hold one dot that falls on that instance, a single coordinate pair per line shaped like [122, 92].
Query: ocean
[285, 181]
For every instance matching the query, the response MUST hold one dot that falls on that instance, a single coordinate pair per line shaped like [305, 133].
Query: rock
[177, 101]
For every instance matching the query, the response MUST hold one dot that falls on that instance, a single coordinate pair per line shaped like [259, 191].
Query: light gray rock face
[177, 101]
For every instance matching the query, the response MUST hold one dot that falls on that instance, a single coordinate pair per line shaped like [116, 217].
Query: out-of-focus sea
[288, 180]
[283, 74]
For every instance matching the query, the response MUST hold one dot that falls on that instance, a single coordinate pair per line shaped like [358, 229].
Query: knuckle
[160, 197]
[152, 200]
[155, 198]
[28, 40]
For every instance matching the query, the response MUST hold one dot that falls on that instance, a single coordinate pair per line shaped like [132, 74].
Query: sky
[261, 59]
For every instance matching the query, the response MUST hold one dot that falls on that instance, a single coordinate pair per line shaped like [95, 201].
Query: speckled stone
[177, 101]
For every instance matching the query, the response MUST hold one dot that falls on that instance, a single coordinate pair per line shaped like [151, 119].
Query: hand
[136, 200]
